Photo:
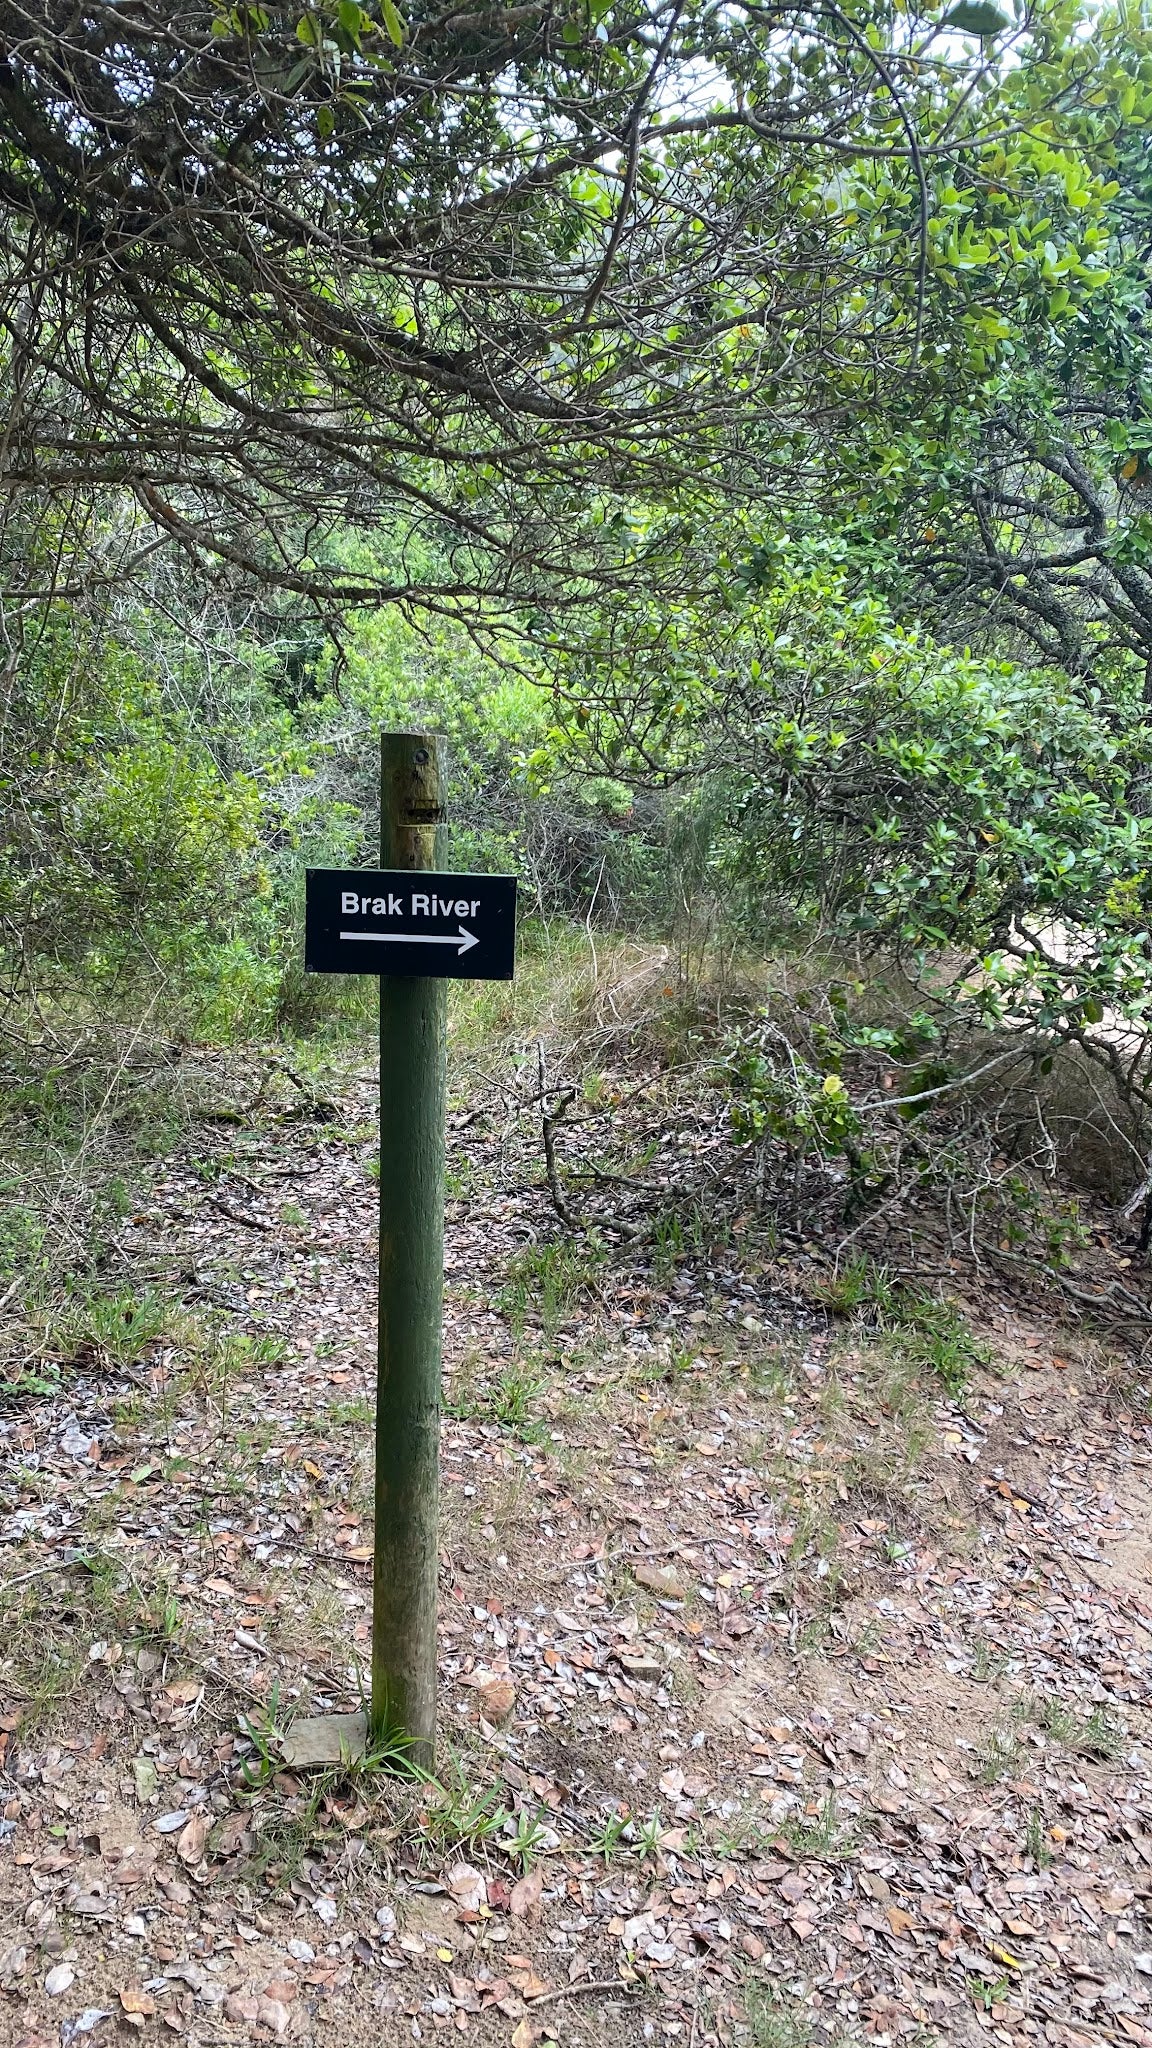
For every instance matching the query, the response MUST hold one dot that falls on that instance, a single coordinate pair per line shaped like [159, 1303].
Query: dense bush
[169, 768]
[828, 770]
[124, 844]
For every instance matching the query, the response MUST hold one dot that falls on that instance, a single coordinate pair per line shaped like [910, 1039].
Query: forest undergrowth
[794, 1612]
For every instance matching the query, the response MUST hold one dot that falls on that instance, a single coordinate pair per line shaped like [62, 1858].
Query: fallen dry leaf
[183, 1691]
[528, 1984]
[524, 1898]
[467, 1886]
[235, 1835]
[134, 1999]
[274, 2014]
[192, 1837]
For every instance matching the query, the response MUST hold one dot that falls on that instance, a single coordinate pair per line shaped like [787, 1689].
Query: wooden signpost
[415, 927]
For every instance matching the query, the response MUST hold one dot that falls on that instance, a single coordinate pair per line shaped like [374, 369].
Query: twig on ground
[549, 1119]
[581, 1990]
[1117, 1294]
[630, 1233]
[237, 1215]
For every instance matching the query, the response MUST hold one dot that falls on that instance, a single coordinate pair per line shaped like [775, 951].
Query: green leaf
[393, 21]
[325, 122]
[308, 32]
[976, 18]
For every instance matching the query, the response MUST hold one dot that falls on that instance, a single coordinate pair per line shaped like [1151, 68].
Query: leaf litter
[784, 1698]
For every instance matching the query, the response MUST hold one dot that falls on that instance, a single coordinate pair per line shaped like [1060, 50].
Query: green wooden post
[413, 1010]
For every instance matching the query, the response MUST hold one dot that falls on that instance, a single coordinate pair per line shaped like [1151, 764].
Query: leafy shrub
[983, 823]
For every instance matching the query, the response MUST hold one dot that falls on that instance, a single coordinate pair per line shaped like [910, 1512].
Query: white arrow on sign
[462, 940]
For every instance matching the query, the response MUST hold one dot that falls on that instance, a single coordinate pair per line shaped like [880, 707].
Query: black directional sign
[372, 921]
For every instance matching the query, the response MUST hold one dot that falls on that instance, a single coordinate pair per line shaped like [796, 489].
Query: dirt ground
[784, 1698]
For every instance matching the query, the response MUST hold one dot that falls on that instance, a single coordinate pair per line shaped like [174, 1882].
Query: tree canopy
[516, 287]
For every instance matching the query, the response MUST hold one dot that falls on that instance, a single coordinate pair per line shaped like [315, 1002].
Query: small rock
[324, 1740]
[495, 1699]
[147, 1778]
[661, 1580]
[171, 1823]
[241, 2009]
[641, 1663]
[270, 2013]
